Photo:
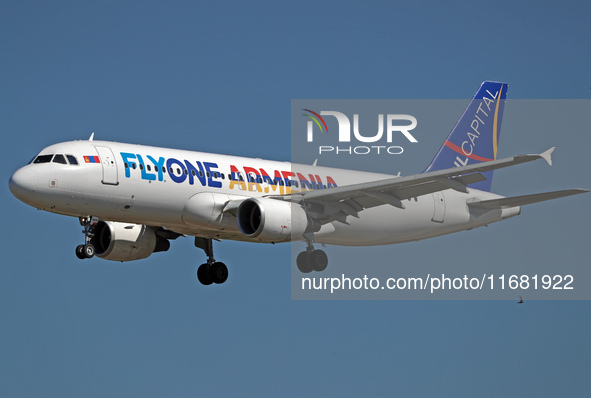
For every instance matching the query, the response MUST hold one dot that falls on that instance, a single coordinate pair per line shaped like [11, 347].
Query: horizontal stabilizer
[525, 199]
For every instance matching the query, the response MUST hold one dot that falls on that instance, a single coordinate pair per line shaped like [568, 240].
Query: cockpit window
[59, 159]
[43, 159]
[72, 160]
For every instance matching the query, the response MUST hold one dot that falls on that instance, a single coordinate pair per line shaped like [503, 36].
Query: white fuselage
[129, 184]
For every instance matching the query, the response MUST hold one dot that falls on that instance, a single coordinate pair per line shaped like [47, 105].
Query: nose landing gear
[87, 249]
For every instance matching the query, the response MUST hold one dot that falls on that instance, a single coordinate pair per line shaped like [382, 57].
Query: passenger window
[72, 160]
[43, 159]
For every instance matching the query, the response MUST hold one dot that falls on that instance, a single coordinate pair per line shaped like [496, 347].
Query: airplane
[133, 199]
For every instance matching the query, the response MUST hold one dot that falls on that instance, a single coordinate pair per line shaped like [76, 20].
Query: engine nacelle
[126, 242]
[205, 210]
[271, 220]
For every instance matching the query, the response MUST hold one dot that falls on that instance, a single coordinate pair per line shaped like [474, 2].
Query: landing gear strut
[212, 271]
[311, 259]
[87, 249]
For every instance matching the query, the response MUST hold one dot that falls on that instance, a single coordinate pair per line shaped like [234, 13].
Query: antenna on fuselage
[91, 137]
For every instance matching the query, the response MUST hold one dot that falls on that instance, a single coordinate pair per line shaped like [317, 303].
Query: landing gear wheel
[88, 250]
[303, 262]
[212, 271]
[204, 275]
[80, 252]
[218, 272]
[318, 260]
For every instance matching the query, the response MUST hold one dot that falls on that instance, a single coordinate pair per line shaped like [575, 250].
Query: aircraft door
[439, 210]
[109, 165]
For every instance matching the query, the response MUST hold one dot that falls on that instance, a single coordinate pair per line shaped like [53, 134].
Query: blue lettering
[145, 174]
[194, 172]
[126, 159]
[210, 182]
[159, 166]
[174, 177]
[191, 169]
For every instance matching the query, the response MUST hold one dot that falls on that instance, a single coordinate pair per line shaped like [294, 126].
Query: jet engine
[271, 220]
[126, 242]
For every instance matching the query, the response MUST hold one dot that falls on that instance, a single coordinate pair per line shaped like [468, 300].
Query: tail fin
[475, 137]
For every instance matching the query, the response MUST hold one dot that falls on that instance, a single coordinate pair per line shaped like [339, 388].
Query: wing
[328, 205]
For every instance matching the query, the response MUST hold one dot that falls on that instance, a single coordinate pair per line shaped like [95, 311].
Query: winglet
[91, 137]
[547, 156]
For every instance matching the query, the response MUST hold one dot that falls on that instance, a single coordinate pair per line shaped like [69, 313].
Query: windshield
[59, 158]
[43, 159]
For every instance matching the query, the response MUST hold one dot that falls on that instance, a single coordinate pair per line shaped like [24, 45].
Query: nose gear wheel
[87, 249]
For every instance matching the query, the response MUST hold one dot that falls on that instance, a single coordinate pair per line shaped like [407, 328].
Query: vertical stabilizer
[475, 137]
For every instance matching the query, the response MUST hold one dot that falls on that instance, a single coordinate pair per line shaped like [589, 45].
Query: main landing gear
[87, 249]
[212, 271]
[311, 259]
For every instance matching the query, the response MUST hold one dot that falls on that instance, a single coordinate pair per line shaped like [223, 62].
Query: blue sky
[219, 77]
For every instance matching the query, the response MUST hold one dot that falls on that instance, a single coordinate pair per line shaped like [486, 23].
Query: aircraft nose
[23, 183]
